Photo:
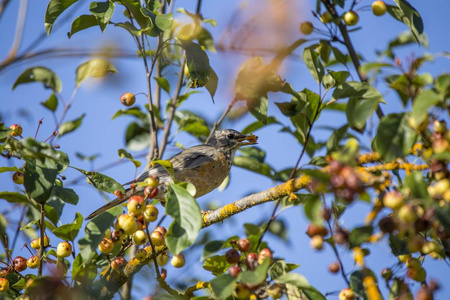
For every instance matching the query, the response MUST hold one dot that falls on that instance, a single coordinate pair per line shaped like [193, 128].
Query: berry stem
[41, 248]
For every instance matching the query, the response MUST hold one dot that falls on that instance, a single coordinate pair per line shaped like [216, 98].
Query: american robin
[205, 166]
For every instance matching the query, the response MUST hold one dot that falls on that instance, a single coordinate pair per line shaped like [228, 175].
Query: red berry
[161, 229]
[20, 263]
[150, 213]
[135, 204]
[16, 130]
[251, 261]
[244, 245]
[157, 238]
[334, 267]
[118, 263]
[263, 254]
[234, 270]
[127, 99]
[232, 256]
[4, 284]
[106, 245]
[33, 262]
[163, 274]
[126, 224]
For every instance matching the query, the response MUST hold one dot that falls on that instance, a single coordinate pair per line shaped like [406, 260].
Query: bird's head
[229, 139]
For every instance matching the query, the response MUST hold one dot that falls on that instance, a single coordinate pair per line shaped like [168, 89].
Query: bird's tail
[115, 202]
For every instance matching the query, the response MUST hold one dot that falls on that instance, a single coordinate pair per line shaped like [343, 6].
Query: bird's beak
[248, 140]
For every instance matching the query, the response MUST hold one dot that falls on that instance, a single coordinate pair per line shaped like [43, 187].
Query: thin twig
[173, 107]
[41, 248]
[21, 18]
[222, 117]
[16, 235]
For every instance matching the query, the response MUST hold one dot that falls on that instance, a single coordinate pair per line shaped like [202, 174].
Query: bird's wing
[193, 158]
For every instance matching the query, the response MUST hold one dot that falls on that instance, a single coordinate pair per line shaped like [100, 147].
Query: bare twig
[222, 117]
[20, 25]
[173, 107]
[41, 248]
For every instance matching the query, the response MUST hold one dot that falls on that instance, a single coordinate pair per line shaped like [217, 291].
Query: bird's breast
[208, 176]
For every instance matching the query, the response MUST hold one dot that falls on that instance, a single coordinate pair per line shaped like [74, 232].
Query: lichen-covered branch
[284, 189]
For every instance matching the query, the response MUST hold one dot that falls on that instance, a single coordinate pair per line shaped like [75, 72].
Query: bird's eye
[230, 136]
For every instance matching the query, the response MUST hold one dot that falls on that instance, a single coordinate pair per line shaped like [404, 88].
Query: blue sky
[101, 135]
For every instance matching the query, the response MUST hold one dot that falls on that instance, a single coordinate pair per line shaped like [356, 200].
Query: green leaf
[53, 210]
[315, 67]
[123, 153]
[301, 283]
[422, 104]
[197, 62]
[359, 111]
[443, 215]
[212, 247]
[357, 90]
[31, 148]
[184, 210]
[442, 85]
[252, 164]
[136, 137]
[335, 139]
[407, 14]
[69, 232]
[190, 122]
[134, 7]
[216, 264]
[51, 103]
[101, 181]
[223, 286]
[417, 186]
[289, 109]
[258, 275]
[95, 231]
[130, 28]
[133, 111]
[164, 84]
[258, 108]
[258, 124]
[166, 164]
[54, 9]
[340, 57]
[313, 209]
[81, 23]
[65, 194]
[164, 21]
[40, 74]
[359, 235]
[394, 137]
[103, 12]
[280, 267]
[213, 82]
[39, 178]
[70, 126]
[95, 67]
[13, 197]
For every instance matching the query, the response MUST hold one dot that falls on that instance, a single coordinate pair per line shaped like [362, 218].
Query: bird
[205, 166]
